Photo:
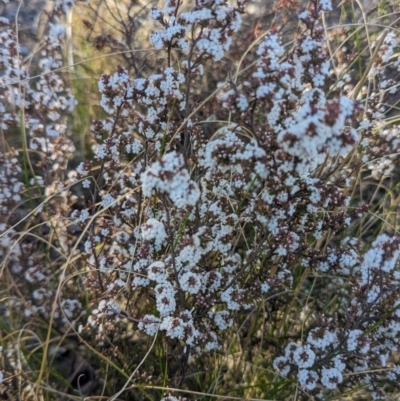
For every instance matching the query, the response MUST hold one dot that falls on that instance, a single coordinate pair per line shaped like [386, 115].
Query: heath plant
[232, 233]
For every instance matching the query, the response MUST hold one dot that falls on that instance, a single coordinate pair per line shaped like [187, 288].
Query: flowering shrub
[176, 242]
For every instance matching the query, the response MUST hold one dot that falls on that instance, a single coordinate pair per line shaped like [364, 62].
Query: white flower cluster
[154, 231]
[174, 33]
[70, 308]
[382, 255]
[310, 136]
[145, 102]
[165, 298]
[181, 327]
[49, 94]
[216, 20]
[10, 187]
[41, 101]
[319, 127]
[353, 342]
[168, 176]
[229, 219]
[303, 357]
[149, 324]
[388, 48]
[157, 272]
[227, 152]
[376, 274]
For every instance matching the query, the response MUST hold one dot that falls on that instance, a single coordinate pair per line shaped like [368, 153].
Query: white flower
[321, 338]
[153, 230]
[222, 320]
[308, 379]
[352, 340]
[281, 364]
[213, 342]
[157, 272]
[165, 298]
[169, 176]
[174, 327]
[107, 200]
[265, 287]
[304, 357]
[331, 377]
[190, 282]
[150, 325]
[226, 297]
[70, 307]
